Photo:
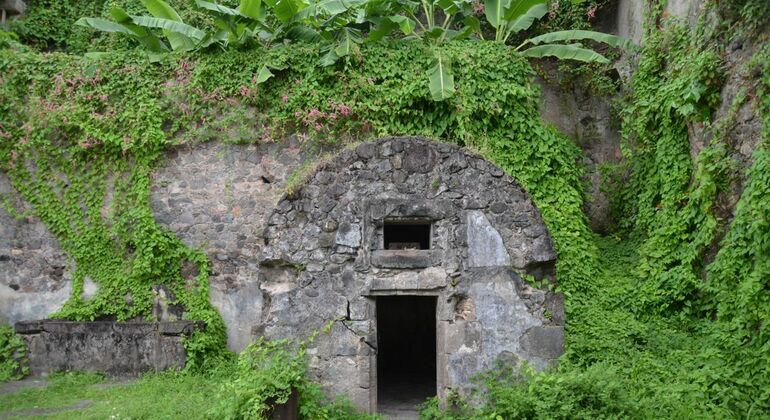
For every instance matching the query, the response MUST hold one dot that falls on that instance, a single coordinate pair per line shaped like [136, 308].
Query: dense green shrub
[49, 24]
[266, 374]
[13, 355]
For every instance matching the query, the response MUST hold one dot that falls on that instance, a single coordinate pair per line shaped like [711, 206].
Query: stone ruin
[414, 249]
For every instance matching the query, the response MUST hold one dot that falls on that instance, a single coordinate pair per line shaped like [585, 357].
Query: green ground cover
[668, 318]
[162, 396]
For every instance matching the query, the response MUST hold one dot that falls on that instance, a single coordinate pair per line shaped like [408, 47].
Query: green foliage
[47, 24]
[673, 196]
[662, 202]
[167, 395]
[13, 355]
[67, 144]
[646, 335]
[750, 15]
[266, 374]
[738, 279]
[342, 27]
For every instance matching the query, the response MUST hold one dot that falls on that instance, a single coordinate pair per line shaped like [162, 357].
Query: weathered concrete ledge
[113, 348]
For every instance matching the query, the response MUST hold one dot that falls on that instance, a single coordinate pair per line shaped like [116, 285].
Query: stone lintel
[405, 258]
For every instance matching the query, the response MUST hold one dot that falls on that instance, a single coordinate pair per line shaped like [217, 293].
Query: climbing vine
[102, 126]
[668, 319]
[13, 355]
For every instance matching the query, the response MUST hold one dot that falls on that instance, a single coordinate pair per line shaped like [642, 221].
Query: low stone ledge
[114, 348]
[412, 258]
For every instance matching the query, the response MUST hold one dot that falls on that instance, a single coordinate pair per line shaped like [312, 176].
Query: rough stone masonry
[284, 266]
[324, 259]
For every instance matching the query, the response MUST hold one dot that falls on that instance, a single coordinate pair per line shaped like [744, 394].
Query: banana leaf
[565, 52]
[440, 78]
[577, 35]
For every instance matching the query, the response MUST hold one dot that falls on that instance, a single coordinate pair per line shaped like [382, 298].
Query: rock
[61, 346]
[546, 341]
[366, 150]
[485, 246]
[348, 234]
[419, 158]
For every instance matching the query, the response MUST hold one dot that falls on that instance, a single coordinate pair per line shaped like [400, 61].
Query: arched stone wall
[324, 259]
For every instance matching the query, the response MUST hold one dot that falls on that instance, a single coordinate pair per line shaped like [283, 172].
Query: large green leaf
[565, 52]
[286, 10]
[473, 23]
[576, 35]
[217, 8]
[435, 32]
[382, 28]
[441, 80]
[302, 33]
[494, 10]
[251, 8]
[449, 7]
[348, 41]
[162, 10]
[104, 25]
[143, 35]
[333, 7]
[264, 74]
[330, 57]
[406, 24]
[191, 34]
[519, 8]
[524, 21]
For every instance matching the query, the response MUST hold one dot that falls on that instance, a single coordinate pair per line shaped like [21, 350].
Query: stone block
[485, 245]
[349, 235]
[114, 348]
[404, 258]
[545, 342]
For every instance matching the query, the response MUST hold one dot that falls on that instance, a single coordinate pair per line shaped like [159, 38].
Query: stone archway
[409, 216]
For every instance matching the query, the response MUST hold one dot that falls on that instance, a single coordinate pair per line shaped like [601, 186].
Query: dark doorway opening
[406, 234]
[406, 352]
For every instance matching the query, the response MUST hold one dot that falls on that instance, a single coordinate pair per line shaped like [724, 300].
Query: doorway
[406, 353]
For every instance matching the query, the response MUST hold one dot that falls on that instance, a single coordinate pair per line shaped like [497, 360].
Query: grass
[155, 396]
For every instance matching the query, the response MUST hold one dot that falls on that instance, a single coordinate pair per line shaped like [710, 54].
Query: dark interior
[406, 351]
[407, 234]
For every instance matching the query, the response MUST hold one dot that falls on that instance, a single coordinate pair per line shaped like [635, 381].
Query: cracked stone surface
[484, 229]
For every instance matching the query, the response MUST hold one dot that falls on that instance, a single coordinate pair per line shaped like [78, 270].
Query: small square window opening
[406, 234]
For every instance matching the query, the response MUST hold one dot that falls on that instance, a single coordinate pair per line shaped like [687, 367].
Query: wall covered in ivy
[667, 315]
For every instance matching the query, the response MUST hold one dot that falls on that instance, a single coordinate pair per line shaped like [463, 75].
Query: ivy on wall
[655, 326]
[81, 137]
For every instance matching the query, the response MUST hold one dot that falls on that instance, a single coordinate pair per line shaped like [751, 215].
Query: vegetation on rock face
[340, 28]
[669, 322]
[13, 355]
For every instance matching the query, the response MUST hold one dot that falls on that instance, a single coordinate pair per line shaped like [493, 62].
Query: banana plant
[574, 51]
[509, 17]
[179, 36]
[433, 21]
[236, 26]
[328, 22]
[338, 24]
